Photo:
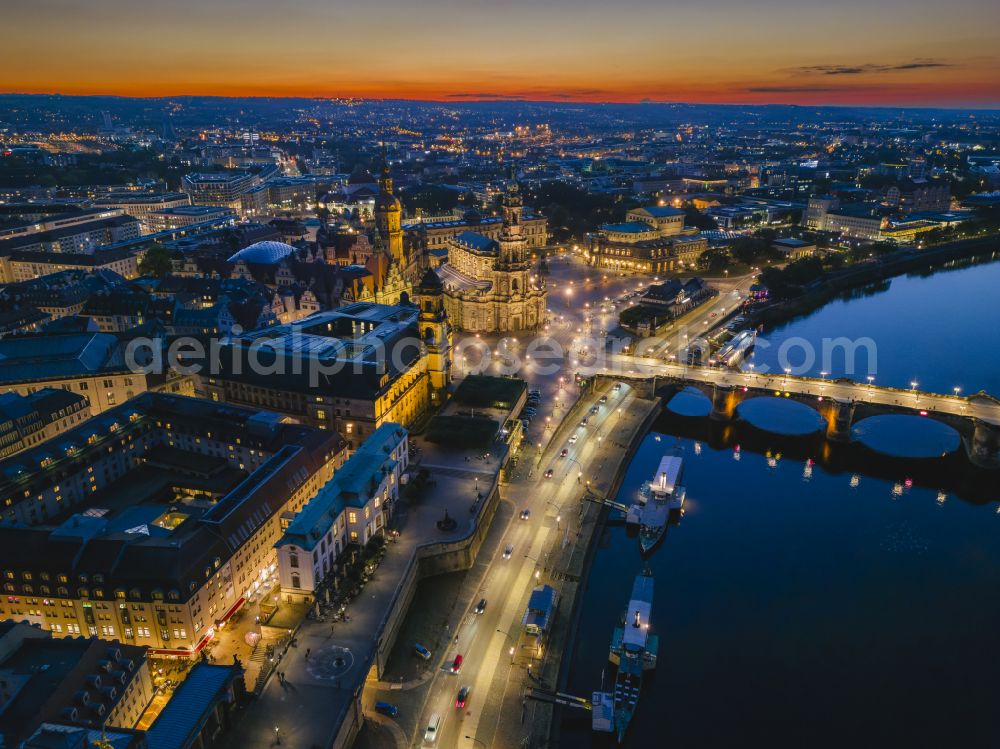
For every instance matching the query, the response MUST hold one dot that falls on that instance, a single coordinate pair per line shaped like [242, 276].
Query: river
[815, 594]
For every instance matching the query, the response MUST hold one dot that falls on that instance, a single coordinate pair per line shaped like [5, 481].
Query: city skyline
[713, 52]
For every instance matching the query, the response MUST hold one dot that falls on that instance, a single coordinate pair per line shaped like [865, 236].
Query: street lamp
[474, 740]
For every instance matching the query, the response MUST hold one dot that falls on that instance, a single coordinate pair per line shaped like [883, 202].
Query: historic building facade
[651, 240]
[394, 269]
[488, 283]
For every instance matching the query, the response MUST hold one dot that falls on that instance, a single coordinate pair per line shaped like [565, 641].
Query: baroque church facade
[488, 284]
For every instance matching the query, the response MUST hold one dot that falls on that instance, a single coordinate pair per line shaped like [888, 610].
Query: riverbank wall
[574, 566]
[863, 274]
[427, 560]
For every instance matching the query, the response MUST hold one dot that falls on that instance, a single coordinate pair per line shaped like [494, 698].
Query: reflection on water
[690, 402]
[812, 595]
[907, 436]
[896, 436]
[939, 330]
[780, 416]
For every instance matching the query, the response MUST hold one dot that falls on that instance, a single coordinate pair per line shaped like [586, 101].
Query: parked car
[481, 606]
[456, 665]
[508, 551]
[421, 651]
[431, 732]
[463, 697]
[386, 708]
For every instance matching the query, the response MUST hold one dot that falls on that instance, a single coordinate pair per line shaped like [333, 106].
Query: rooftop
[183, 714]
[630, 227]
[351, 486]
[263, 253]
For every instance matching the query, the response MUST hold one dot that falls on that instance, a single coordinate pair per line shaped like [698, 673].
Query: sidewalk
[329, 663]
[569, 552]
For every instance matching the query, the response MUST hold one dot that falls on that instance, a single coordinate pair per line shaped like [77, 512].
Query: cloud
[919, 64]
[788, 89]
[476, 95]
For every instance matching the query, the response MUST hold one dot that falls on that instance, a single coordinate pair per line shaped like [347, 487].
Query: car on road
[618, 386]
[508, 551]
[603, 399]
[481, 606]
[387, 708]
[463, 697]
[583, 421]
[548, 473]
[525, 514]
[594, 409]
[563, 453]
[421, 651]
[572, 439]
[456, 665]
[431, 732]
[714, 314]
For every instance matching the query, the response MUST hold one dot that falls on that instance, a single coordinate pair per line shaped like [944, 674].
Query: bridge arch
[924, 437]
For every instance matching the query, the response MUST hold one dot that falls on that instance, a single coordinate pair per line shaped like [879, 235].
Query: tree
[714, 260]
[156, 262]
[694, 217]
[749, 249]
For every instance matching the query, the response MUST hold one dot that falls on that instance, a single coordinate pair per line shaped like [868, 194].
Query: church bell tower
[388, 216]
[435, 332]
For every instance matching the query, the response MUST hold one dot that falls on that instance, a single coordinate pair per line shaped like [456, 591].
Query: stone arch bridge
[840, 402]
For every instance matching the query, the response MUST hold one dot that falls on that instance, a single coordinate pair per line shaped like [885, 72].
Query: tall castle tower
[388, 217]
[435, 332]
[513, 245]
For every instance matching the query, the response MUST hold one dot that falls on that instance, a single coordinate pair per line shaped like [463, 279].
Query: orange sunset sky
[893, 52]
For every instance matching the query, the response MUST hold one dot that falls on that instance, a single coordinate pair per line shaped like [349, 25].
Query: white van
[431, 734]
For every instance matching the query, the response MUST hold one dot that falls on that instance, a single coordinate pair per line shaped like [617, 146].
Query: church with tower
[488, 284]
[392, 269]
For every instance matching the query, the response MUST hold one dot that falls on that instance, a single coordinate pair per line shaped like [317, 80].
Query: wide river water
[816, 594]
